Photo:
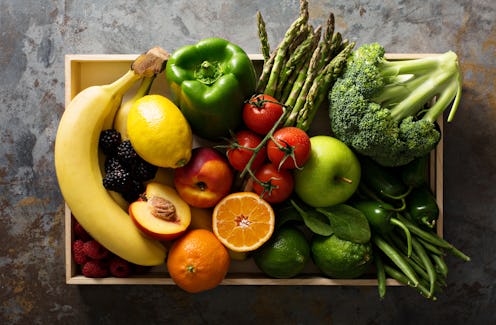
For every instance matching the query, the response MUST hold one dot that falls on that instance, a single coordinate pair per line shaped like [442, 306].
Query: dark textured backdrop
[35, 36]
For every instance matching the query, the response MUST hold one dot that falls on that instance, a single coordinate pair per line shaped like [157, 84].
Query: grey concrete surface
[35, 36]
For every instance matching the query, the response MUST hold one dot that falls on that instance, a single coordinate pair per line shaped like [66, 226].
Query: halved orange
[243, 221]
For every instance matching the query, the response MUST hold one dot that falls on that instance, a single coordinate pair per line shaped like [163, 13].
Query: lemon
[159, 132]
[284, 255]
[339, 258]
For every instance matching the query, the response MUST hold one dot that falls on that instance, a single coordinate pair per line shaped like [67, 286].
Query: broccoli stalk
[385, 109]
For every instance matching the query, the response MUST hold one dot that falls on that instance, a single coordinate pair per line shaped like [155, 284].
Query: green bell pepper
[209, 82]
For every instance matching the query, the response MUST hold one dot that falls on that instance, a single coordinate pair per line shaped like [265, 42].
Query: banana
[78, 168]
[120, 120]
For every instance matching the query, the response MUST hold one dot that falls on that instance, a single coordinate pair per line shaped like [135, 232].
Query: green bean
[441, 266]
[431, 272]
[396, 258]
[400, 277]
[431, 247]
[433, 238]
[381, 276]
[414, 259]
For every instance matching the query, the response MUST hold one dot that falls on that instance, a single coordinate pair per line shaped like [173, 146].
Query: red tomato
[238, 155]
[289, 148]
[278, 184]
[259, 115]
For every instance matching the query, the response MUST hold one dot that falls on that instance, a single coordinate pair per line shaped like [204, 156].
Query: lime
[339, 258]
[159, 132]
[285, 254]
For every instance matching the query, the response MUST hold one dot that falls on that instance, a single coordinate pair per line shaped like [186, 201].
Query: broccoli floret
[384, 109]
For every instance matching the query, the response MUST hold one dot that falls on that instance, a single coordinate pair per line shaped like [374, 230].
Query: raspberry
[80, 232]
[119, 267]
[78, 252]
[95, 269]
[95, 250]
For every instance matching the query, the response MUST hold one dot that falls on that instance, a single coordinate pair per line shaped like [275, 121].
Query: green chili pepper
[383, 180]
[422, 206]
[415, 173]
[209, 81]
[381, 218]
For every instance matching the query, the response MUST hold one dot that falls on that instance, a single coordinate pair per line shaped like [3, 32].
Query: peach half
[161, 213]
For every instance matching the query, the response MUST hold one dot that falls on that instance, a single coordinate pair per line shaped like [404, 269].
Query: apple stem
[344, 179]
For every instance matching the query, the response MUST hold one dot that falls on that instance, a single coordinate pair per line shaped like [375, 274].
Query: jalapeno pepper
[382, 180]
[381, 217]
[422, 206]
[415, 173]
[210, 81]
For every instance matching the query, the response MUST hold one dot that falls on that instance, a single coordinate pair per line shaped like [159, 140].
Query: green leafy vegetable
[314, 220]
[348, 223]
[381, 108]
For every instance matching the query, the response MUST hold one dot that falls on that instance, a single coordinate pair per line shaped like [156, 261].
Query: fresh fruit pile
[257, 186]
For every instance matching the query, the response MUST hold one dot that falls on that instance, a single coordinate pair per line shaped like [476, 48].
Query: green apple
[330, 176]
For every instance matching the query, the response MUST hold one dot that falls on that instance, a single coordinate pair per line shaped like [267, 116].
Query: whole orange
[198, 261]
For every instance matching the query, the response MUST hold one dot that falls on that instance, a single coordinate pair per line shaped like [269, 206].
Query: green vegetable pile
[382, 108]
[402, 212]
[394, 210]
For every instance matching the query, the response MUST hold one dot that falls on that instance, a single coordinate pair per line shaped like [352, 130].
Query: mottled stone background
[35, 36]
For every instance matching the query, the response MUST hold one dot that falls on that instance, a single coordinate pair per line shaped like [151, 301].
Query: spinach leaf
[348, 223]
[315, 221]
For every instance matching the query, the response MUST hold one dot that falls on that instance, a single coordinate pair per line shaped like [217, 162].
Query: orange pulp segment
[243, 221]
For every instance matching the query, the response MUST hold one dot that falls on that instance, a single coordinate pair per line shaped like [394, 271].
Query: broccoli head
[387, 109]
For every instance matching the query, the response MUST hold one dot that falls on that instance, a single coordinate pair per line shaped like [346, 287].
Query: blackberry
[134, 191]
[113, 163]
[109, 141]
[126, 152]
[142, 170]
[118, 180]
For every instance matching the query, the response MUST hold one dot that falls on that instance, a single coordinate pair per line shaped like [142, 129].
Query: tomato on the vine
[289, 148]
[261, 112]
[277, 185]
[239, 153]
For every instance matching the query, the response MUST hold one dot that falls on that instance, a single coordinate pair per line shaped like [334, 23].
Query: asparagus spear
[294, 60]
[300, 69]
[262, 34]
[327, 40]
[267, 68]
[291, 33]
[320, 87]
[300, 89]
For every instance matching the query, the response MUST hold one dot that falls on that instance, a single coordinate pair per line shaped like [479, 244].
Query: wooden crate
[82, 71]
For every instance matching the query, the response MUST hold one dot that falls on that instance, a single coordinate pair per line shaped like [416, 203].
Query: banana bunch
[78, 170]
